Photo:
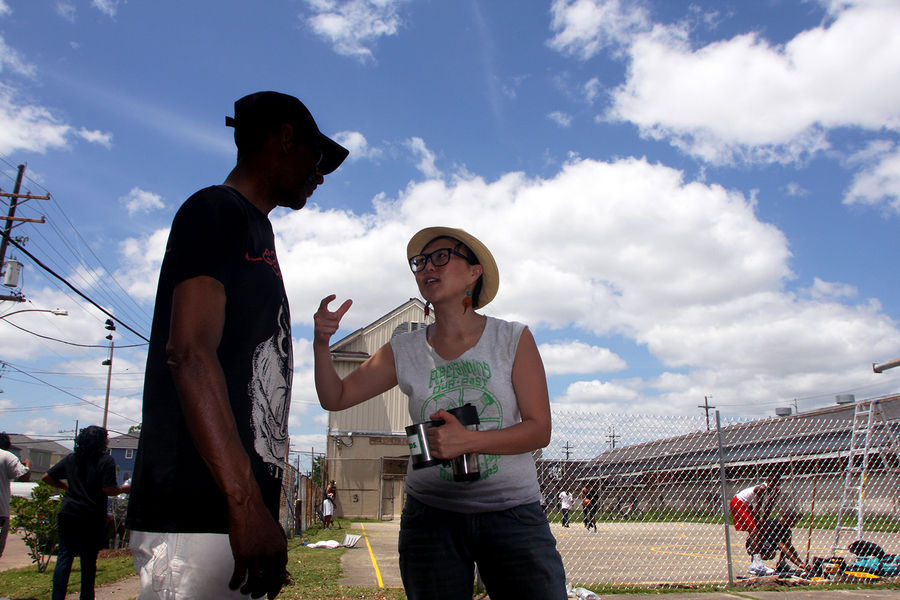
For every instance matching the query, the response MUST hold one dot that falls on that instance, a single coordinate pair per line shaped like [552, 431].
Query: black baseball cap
[265, 110]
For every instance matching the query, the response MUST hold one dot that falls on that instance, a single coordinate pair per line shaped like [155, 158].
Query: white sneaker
[761, 570]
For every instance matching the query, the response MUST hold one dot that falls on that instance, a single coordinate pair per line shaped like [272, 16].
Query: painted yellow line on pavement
[372, 556]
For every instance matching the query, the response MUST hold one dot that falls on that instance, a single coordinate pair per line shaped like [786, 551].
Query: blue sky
[685, 199]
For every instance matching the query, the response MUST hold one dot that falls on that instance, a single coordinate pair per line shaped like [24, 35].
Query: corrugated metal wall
[387, 413]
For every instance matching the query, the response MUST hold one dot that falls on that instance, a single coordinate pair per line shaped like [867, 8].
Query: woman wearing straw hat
[463, 357]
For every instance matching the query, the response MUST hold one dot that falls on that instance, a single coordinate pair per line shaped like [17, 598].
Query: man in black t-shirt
[207, 480]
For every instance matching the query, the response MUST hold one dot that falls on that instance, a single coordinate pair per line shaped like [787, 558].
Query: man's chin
[294, 203]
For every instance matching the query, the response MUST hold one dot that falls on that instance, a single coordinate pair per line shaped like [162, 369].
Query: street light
[53, 311]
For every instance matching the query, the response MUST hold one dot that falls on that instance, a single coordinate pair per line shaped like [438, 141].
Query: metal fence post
[726, 512]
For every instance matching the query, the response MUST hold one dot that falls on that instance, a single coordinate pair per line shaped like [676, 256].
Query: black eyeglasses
[438, 258]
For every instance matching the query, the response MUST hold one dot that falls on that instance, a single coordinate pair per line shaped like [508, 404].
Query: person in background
[775, 535]
[565, 505]
[89, 477]
[750, 507]
[328, 504]
[11, 469]
[495, 522]
[590, 501]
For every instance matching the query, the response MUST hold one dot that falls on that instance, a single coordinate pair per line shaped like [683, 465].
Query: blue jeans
[78, 536]
[514, 550]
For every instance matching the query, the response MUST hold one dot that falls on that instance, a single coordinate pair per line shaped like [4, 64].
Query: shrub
[37, 518]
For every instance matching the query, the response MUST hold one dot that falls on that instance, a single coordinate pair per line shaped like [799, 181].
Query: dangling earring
[427, 308]
[467, 301]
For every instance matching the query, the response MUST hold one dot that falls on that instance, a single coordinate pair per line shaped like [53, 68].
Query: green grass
[316, 573]
[27, 584]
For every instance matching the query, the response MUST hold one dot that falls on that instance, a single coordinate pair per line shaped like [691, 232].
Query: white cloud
[4, 8]
[34, 128]
[586, 27]
[796, 190]
[578, 357]
[141, 201]
[28, 127]
[10, 59]
[66, 10]
[743, 98]
[879, 181]
[140, 259]
[592, 89]
[623, 249]
[107, 7]
[560, 118]
[104, 138]
[353, 26]
[357, 144]
[826, 290]
[599, 392]
[426, 157]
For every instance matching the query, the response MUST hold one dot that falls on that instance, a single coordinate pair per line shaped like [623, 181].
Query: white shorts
[327, 508]
[183, 566]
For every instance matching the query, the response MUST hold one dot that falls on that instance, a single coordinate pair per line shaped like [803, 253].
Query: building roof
[19, 440]
[815, 434]
[338, 348]
[127, 441]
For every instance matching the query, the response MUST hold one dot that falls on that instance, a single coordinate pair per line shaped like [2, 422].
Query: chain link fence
[659, 488]
[651, 504]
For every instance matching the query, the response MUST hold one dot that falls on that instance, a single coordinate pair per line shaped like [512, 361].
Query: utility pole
[8, 226]
[611, 438]
[568, 449]
[108, 363]
[706, 406]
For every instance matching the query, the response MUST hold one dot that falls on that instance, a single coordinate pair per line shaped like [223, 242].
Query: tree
[318, 469]
[135, 429]
[37, 517]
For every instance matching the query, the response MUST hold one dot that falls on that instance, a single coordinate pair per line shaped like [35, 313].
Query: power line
[110, 295]
[64, 391]
[46, 337]
[72, 287]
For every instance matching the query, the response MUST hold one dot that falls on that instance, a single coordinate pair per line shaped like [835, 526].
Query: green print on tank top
[453, 385]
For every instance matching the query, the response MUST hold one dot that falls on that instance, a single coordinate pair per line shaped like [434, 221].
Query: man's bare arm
[27, 475]
[257, 540]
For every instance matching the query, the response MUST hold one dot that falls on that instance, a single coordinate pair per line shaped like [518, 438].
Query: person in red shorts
[750, 507]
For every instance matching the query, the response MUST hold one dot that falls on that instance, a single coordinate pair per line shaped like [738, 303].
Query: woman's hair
[91, 442]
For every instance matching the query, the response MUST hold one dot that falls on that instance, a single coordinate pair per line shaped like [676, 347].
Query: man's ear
[286, 136]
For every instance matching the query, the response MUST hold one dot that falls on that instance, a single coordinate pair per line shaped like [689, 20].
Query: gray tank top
[482, 376]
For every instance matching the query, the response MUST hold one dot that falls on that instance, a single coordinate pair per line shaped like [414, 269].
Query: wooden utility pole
[706, 406]
[612, 437]
[11, 219]
[568, 449]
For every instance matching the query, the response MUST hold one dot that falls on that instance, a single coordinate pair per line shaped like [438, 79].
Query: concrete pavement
[374, 562]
